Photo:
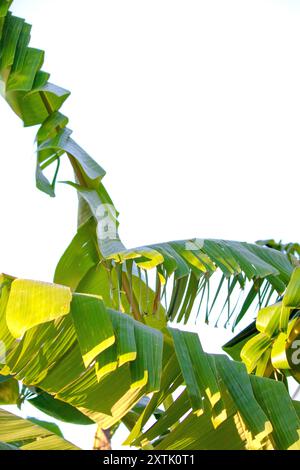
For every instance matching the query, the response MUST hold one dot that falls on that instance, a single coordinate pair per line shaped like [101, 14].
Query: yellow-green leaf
[31, 303]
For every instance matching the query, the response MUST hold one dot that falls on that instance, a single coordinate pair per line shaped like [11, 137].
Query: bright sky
[192, 107]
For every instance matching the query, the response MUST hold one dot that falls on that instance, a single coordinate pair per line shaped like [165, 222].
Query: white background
[192, 107]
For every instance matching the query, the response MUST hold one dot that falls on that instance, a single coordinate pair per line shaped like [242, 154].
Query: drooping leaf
[58, 409]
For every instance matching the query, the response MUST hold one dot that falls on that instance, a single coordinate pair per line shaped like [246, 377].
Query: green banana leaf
[97, 340]
[18, 433]
[207, 392]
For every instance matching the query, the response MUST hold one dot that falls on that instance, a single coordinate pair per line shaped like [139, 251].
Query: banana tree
[103, 343]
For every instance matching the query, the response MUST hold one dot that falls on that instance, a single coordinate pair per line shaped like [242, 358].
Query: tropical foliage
[270, 346]
[113, 315]
[31, 434]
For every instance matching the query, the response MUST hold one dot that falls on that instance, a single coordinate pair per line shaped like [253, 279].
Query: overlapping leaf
[205, 392]
[250, 420]
[18, 433]
[70, 356]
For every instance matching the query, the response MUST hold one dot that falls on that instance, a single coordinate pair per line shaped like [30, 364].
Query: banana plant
[103, 343]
